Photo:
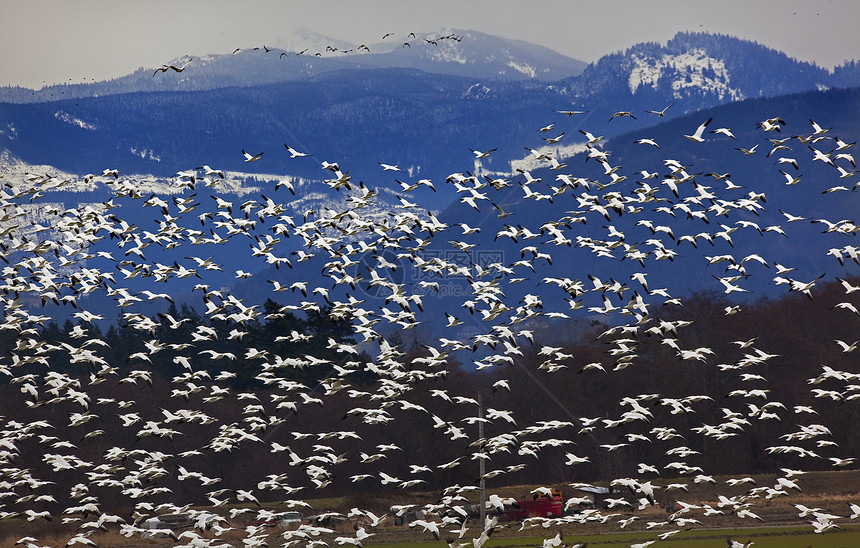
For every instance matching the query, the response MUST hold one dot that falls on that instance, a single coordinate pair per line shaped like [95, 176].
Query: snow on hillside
[145, 153]
[69, 119]
[448, 53]
[17, 174]
[523, 68]
[10, 132]
[559, 152]
[692, 69]
[36, 220]
[478, 91]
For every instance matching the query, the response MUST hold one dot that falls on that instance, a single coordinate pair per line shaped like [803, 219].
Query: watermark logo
[441, 273]
[379, 273]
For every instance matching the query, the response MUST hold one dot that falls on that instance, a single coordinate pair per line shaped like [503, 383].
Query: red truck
[544, 506]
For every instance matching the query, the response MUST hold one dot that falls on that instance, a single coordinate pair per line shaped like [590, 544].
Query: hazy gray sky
[49, 41]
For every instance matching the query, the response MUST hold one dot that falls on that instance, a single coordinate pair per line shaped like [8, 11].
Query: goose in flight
[790, 161]
[731, 287]
[651, 142]
[819, 156]
[429, 526]
[845, 346]
[538, 155]
[251, 157]
[771, 124]
[846, 156]
[295, 153]
[571, 112]
[842, 145]
[592, 140]
[660, 113]
[208, 171]
[725, 131]
[406, 186]
[478, 154]
[286, 183]
[748, 151]
[697, 136]
[789, 180]
[818, 129]
[620, 114]
[165, 68]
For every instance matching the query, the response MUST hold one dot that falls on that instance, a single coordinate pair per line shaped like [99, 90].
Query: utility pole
[481, 470]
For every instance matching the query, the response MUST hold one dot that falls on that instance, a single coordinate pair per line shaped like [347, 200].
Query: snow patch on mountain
[9, 131]
[204, 60]
[691, 69]
[448, 53]
[644, 73]
[523, 68]
[145, 154]
[478, 91]
[559, 152]
[69, 119]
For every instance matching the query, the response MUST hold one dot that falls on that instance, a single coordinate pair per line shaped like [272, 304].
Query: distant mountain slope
[425, 123]
[449, 52]
[698, 69]
[476, 55]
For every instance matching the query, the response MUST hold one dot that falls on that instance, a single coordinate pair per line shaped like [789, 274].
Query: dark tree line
[798, 331]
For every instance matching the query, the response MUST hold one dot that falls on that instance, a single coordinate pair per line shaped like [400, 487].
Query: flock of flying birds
[328, 49]
[363, 47]
[51, 269]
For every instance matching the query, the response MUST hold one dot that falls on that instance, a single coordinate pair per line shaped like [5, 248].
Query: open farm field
[828, 491]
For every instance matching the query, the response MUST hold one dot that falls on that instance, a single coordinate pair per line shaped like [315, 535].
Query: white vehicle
[284, 519]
